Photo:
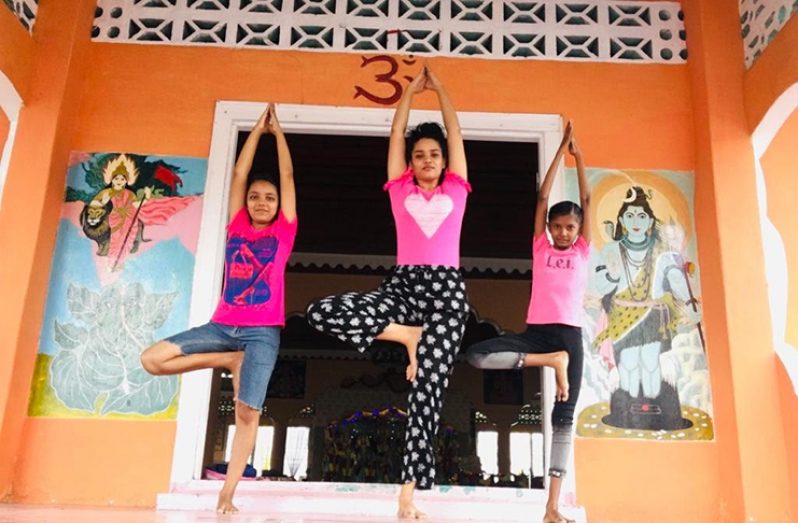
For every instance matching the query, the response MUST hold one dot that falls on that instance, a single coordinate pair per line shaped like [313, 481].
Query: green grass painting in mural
[44, 402]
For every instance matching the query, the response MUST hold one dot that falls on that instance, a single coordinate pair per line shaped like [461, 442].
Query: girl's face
[262, 203]
[564, 229]
[427, 161]
[637, 223]
[118, 182]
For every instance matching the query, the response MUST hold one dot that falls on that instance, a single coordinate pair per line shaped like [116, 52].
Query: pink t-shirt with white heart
[428, 223]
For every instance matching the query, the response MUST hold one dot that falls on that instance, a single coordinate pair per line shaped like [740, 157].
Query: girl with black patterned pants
[422, 303]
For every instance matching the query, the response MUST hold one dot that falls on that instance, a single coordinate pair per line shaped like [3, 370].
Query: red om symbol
[385, 78]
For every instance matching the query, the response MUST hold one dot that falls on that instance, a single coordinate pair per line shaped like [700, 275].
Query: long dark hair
[636, 197]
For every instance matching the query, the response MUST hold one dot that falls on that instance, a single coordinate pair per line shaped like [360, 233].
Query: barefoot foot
[554, 516]
[561, 373]
[409, 511]
[225, 504]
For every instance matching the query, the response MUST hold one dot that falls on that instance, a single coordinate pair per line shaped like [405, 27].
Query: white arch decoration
[10, 103]
[777, 271]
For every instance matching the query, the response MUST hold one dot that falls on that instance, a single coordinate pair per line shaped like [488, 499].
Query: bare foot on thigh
[234, 367]
[225, 504]
[411, 343]
[561, 372]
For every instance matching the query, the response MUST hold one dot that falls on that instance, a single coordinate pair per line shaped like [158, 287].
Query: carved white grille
[598, 30]
[761, 21]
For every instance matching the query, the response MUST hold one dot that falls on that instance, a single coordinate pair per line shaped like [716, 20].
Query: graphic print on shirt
[559, 262]
[249, 266]
[429, 214]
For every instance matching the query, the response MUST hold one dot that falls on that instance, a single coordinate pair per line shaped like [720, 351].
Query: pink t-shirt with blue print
[559, 281]
[428, 223]
[254, 272]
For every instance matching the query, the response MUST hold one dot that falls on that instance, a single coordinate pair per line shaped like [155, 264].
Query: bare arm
[285, 165]
[396, 146]
[238, 185]
[454, 135]
[545, 188]
[584, 189]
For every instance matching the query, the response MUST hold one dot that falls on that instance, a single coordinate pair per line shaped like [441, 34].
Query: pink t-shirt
[559, 281]
[428, 223]
[254, 272]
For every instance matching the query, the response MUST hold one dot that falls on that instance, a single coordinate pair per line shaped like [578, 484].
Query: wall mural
[121, 279]
[646, 373]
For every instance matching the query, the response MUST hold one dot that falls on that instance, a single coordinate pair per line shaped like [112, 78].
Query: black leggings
[507, 352]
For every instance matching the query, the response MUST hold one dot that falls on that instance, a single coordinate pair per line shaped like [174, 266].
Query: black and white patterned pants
[430, 296]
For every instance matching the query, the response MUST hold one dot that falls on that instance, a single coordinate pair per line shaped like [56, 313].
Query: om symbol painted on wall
[388, 89]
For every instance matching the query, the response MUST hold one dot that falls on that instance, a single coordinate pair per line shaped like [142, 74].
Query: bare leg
[553, 503]
[165, 358]
[408, 336]
[559, 362]
[247, 421]
[408, 510]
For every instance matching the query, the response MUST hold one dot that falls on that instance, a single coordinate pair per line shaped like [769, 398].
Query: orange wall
[33, 195]
[789, 412]
[748, 414]
[773, 72]
[17, 51]
[158, 99]
[83, 468]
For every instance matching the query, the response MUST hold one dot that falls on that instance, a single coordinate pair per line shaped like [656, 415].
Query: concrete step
[367, 499]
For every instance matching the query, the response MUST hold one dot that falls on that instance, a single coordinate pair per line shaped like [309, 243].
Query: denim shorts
[260, 345]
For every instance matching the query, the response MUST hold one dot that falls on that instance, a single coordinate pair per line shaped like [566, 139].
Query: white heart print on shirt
[429, 214]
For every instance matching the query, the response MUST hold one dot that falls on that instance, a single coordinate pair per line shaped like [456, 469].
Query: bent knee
[150, 362]
[154, 357]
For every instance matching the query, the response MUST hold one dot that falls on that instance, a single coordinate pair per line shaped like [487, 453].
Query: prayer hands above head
[419, 83]
[263, 122]
[573, 147]
[432, 81]
[272, 123]
[567, 136]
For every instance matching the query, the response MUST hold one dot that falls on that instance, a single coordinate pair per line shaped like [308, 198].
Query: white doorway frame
[233, 117]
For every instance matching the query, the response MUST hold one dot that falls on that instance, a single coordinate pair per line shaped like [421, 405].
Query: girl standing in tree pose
[243, 335]
[553, 337]
[422, 302]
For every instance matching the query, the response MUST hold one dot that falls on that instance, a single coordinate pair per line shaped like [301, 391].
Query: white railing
[596, 30]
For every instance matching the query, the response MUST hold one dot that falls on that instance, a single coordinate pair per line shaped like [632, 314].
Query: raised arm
[397, 163]
[285, 165]
[545, 188]
[584, 189]
[454, 136]
[238, 185]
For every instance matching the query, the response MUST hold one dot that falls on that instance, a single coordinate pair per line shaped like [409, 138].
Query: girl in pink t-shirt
[422, 303]
[553, 337]
[243, 335]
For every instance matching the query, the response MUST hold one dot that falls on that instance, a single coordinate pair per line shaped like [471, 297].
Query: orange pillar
[742, 360]
[33, 195]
